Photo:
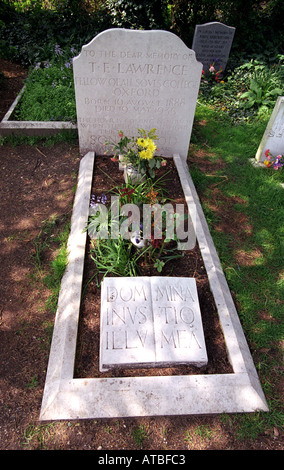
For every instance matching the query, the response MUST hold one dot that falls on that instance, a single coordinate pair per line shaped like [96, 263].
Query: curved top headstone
[212, 44]
[128, 79]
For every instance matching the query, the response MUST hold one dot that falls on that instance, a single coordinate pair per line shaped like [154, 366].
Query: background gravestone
[212, 44]
[273, 137]
[127, 79]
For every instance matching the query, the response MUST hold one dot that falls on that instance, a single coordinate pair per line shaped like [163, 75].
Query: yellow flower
[146, 154]
[151, 145]
[141, 142]
[148, 146]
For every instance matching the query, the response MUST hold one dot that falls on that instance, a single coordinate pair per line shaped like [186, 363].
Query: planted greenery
[49, 93]
[247, 92]
[129, 253]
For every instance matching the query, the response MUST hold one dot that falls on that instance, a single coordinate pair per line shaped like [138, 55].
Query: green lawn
[249, 201]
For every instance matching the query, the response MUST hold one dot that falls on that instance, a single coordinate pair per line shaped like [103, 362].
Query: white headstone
[273, 137]
[127, 79]
[212, 44]
[150, 322]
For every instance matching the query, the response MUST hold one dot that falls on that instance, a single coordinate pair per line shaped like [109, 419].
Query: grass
[139, 435]
[53, 237]
[252, 256]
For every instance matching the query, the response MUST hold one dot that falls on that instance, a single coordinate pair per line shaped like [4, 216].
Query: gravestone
[273, 137]
[150, 322]
[212, 44]
[127, 79]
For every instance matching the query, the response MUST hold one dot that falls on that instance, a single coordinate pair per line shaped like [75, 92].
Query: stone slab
[129, 79]
[66, 397]
[150, 322]
[212, 44]
[273, 137]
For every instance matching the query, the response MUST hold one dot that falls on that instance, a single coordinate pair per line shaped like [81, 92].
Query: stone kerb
[273, 137]
[126, 79]
[212, 44]
[66, 397]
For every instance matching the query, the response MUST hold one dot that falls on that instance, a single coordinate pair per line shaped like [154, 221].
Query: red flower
[127, 192]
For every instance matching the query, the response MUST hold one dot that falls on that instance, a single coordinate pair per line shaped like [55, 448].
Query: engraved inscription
[212, 43]
[146, 83]
[151, 322]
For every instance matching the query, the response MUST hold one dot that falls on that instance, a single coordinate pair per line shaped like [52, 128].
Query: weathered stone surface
[212, 44]
[150, 322]
[127, 79]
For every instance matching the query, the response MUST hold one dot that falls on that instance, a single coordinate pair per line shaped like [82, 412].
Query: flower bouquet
[275, 162]
[137, 153]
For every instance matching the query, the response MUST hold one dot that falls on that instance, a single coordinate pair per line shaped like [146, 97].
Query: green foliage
[139, 435]
[249, 91]
[266, 84]
[52, 234]
[49, 93]
[258, 24]
[115, 257]
[122, 256]
[134, 14]
[31, 29]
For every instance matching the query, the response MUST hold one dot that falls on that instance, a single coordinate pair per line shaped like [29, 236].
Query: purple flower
[104, 198]
[93, 201]
[58, 50]
[98, 200]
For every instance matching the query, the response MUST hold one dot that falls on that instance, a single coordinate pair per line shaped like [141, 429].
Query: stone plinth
[150, 322]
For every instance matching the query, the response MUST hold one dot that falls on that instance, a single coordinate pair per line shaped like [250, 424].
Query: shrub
[247, 92]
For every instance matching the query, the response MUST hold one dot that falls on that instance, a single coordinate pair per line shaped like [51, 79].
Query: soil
[37, 185]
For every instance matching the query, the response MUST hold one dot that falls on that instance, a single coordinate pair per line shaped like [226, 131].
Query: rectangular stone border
[66, 397]
[31, 128]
